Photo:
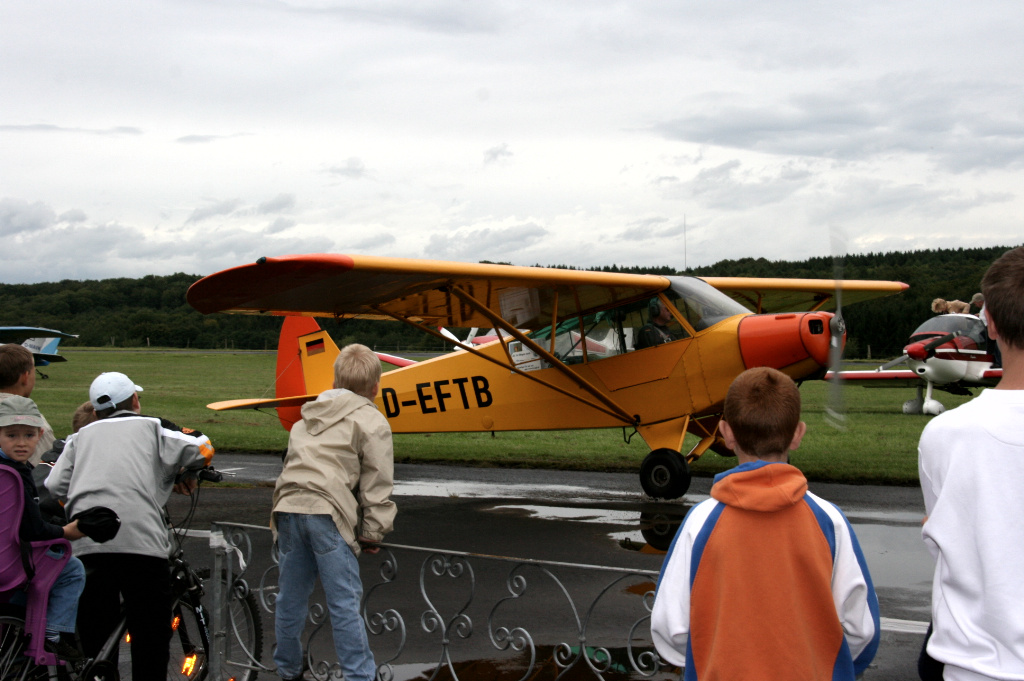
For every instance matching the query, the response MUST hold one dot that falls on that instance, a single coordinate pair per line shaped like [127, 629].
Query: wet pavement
[592, 519]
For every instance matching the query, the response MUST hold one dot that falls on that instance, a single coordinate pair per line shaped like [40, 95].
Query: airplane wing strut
[607, 405]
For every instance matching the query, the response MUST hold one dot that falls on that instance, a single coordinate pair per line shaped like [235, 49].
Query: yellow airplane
[599, 350]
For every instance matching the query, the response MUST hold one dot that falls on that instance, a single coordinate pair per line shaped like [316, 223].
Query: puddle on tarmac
[896, 556]
[480, 490]
[619, 668]
[654, 529]
[477, 490]
[887, 517]
[601, 516]
[895, 553]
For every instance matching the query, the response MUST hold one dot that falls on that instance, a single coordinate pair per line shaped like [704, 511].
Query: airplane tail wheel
[664, 474]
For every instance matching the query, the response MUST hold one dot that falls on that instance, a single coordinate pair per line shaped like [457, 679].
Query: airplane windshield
[702, 304]
[964, 324]
[631, 326]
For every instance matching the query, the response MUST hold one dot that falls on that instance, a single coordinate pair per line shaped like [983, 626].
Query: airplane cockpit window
[656, 324]
[602, 336]
[964, 324]
[631, 326]
[701, 304]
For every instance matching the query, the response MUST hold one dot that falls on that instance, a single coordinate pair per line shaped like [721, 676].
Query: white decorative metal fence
[434, 613]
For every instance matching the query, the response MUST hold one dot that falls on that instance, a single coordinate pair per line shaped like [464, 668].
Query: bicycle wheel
[245, 638]
[13, 662]
[191, 641]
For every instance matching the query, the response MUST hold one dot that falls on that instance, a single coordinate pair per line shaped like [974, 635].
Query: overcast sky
[192, 135]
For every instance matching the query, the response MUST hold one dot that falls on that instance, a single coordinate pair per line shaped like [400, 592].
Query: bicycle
[190, 640]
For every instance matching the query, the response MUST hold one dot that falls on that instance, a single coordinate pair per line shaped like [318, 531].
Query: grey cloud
[46, 127]
[486, 243]
[354, 168]
[731, 186]
[498, 153]
[18, 216]
[654, 230]
[73, 215]
[436, 16]
[118, 250]
[279, 225]
[370, 244]
[206, 139]
[278, 204]
[871, 198]
[903, 113]
[213, 209]
[638, 230]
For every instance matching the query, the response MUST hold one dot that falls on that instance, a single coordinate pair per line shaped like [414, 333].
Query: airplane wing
[904, 378]
[800, 295]
[871, 378]
[20, 334]
[394, 360]
[269, 403]
[43, 359]
[429, 292]
[439, 293]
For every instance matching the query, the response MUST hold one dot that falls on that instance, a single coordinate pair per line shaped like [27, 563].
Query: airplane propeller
[920, 351]
[835, 414]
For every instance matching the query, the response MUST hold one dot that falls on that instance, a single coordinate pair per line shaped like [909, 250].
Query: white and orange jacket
[765, 580]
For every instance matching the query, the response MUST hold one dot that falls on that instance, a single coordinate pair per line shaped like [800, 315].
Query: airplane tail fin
[44, 350]
[305, 364]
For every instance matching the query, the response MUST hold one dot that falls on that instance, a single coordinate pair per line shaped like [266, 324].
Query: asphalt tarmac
[594, 519]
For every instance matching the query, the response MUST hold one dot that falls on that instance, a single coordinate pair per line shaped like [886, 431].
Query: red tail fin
[290, 380]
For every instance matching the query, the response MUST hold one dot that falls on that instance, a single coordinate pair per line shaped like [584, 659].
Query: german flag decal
[315, 347]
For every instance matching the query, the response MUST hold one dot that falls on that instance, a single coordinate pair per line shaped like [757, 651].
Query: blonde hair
[357, 368]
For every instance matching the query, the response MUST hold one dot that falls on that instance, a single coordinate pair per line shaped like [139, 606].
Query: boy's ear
[376, 389]
[727, 435]
[993, 332]
[798, 435]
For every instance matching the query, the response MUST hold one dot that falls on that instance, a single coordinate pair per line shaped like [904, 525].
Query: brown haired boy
[18, 377]
[765, 579]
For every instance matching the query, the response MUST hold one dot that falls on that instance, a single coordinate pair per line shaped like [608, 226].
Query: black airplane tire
[664, 474]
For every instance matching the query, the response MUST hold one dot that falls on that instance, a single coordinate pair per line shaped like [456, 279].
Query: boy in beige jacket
[332, 497]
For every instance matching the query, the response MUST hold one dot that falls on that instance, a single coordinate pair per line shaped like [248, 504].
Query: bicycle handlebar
[210, 474]
[206, 474]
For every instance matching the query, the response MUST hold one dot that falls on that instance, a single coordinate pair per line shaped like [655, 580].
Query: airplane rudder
[290, 380]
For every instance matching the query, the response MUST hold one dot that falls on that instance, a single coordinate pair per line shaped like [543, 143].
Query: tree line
[152, 310]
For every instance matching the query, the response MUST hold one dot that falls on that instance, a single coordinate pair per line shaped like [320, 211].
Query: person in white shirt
[971, 464]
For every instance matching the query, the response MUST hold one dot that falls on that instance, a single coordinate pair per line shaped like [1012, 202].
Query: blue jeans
[310, 545]
[62, 608]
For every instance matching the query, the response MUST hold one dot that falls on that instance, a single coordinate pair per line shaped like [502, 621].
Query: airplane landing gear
[923, 403]
[665, 474]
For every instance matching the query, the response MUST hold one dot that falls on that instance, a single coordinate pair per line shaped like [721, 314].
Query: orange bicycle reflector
[127, 637]
[175, 622]
[188, 664]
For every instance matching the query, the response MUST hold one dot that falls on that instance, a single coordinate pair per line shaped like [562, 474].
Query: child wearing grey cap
[21, 426]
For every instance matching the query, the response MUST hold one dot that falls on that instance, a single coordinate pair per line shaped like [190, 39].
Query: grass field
[879, 444]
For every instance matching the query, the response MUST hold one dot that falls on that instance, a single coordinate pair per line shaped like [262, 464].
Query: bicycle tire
[14, 664]
[190, 642]
[245, 638]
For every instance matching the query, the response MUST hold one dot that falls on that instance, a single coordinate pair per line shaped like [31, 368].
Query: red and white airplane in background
[950, 352]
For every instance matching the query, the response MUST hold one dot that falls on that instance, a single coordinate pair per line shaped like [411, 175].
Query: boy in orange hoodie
[765, 579]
